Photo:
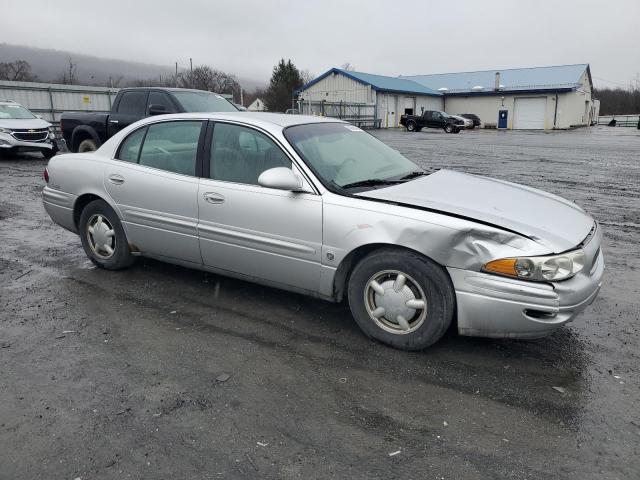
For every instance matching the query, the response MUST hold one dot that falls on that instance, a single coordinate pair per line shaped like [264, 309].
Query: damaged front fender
[351, 223]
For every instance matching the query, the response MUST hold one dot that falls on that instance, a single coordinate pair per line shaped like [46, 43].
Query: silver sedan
[320, 207]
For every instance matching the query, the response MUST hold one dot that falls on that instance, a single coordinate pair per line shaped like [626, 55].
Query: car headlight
[52, 133]
[551, 268]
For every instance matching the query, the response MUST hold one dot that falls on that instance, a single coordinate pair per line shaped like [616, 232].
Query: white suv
[22, 131]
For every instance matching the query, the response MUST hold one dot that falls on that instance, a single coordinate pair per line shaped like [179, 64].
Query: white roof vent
[478, 88]
[443, 89]
[501, 87]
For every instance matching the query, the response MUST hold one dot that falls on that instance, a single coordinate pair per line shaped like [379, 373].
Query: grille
[27, 136]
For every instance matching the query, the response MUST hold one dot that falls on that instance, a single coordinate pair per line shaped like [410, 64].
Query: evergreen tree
[284, 80]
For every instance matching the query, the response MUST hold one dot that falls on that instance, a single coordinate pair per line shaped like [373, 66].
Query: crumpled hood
[545, 218]
[27, 123]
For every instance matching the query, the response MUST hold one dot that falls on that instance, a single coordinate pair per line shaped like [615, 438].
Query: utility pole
[176, 77]
[191, 70]
[242, 101]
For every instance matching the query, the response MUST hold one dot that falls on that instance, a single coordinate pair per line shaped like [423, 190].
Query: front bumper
[499, 307]
[10, 143]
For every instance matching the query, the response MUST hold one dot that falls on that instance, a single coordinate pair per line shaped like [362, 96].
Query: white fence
[49, 100]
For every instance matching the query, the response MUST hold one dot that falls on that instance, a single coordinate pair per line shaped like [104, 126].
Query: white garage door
[529, 113]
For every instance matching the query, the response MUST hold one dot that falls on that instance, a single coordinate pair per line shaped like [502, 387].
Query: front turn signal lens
[504, 266]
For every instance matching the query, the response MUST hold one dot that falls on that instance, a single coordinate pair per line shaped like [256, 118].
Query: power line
[611, 81]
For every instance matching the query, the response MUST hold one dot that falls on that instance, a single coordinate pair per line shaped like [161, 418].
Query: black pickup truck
[432, 119]
[85, 132]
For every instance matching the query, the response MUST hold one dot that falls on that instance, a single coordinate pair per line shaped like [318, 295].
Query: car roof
[256, 118]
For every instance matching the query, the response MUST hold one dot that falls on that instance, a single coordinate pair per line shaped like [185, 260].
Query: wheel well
[81, 202]
[79, 137]
[343, 272]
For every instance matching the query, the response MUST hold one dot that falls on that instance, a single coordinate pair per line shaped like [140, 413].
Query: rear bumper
[493, 306]
[59, 206]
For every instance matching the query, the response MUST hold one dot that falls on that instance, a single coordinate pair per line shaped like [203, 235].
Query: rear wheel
[401, 298]
[87, 145]
[103, 237]
[411, 126]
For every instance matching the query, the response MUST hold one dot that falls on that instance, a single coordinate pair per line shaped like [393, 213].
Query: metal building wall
[336, 88]
[50, 100]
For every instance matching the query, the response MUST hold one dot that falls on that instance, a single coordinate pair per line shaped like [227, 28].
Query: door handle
[114, 121]
[212, 197]
[116, 179]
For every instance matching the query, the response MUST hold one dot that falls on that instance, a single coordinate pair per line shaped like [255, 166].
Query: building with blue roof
[517, 98]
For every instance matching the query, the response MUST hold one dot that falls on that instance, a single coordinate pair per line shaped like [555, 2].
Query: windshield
[204, 102]
[17, 112]
[342, 154]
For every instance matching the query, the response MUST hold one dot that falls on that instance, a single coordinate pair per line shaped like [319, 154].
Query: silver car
[320, 207]
[22, 131]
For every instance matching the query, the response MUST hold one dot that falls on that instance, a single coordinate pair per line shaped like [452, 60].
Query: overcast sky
[247, 37]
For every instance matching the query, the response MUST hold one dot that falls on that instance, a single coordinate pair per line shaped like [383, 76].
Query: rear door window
[133, 102]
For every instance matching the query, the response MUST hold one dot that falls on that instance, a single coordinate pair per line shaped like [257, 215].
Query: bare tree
[306, 76]
[204, 77]
[17, 71]
[348, 67]
[69, 76]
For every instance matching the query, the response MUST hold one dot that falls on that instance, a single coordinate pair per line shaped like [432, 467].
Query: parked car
[431, 119]
[473, 117]
[22, 131]
[318, 206]
[84, 132]
[466, 123]
[292, 111]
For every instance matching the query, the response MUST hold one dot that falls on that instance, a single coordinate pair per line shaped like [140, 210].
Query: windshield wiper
[410, 175]
[371, 182]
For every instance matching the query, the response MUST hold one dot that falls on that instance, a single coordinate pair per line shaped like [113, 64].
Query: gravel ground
[163, 372]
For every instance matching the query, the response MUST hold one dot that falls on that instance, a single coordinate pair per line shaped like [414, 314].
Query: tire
[99, 215]
[457, 130]
[48, 154]
[425, 282]
[411, 126]
[87, 145]
[448, 128]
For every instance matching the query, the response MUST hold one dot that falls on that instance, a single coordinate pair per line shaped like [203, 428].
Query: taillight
[45, 175]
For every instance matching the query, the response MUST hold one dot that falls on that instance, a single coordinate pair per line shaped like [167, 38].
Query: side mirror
[281, 178]
[157, 110]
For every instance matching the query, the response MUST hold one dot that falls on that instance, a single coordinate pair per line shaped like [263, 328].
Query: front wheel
[103, 237]
[448, 128]
[411, 126]
[48, 154]
[401, 298]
